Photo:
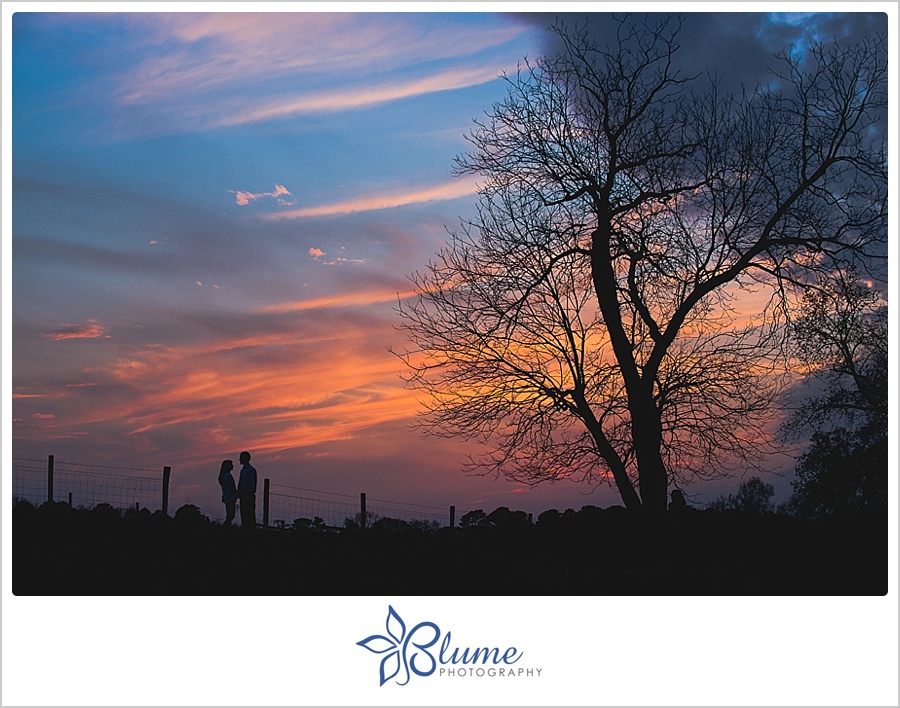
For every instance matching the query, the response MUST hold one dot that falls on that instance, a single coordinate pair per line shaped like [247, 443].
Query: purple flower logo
[401, 651]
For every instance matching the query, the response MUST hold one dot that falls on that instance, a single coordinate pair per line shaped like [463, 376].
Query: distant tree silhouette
[753, 497]
[424, 525]
[841, 334]
[503, 517]
[583, 323]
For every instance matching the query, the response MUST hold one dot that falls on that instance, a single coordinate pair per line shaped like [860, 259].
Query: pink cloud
[357, 98]
[243, 198]
[451, 190]
[197, 54]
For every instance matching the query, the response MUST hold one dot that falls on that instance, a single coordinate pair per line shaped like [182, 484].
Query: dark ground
[62, 551]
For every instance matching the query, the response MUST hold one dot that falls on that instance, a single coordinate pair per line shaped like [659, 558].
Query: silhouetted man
[247, 492]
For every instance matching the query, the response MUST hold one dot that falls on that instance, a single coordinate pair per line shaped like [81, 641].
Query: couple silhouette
[244, 491]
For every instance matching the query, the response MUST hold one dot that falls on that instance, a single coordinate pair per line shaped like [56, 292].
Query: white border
[300, 651]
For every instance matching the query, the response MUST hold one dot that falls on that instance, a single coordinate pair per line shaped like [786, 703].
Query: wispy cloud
[450, 190]
[359, 298]
[196, 53]
[359, 97]
[91, 329]
[186, 70]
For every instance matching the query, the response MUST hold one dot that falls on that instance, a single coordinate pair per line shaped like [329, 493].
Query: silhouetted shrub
[389, 525]
[315, 524]
[550, 517]
[190, 515]
[473, 518]
[137, 515]
[105, 511]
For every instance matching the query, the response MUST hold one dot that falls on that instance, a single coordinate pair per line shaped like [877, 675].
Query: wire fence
[84, 485]
[334, 509]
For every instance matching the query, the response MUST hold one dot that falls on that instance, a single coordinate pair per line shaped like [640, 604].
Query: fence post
[50, 478]
[165, 491]
[70, 500]
[266, 504]
[452, 516]
[362, 510]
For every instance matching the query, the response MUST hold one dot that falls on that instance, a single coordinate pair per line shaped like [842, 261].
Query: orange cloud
[282, 387]
[90, 330]
[350, 299]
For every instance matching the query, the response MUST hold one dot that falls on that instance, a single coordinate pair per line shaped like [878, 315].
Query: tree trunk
[646, 431]
[646, 434]
[626, 489]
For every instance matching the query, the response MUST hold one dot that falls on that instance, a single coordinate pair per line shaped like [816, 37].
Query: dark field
[62, 551]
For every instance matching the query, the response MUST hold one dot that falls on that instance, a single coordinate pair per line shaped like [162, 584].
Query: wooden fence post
[70, 500]
[362, 510]
[452, 516]
[265, 504]
[165, 490]
[50, 478]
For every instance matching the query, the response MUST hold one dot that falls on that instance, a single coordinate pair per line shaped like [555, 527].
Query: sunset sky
[215, 214]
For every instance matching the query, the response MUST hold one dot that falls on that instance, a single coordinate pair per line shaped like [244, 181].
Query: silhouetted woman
[229, 490]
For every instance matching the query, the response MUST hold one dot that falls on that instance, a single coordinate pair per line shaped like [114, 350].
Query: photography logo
[424, 651]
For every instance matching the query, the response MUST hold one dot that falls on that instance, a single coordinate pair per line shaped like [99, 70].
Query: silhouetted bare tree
[589, 320]
[841, 335]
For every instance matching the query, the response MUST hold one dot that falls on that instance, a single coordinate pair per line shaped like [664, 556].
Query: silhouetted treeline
[58, 550]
